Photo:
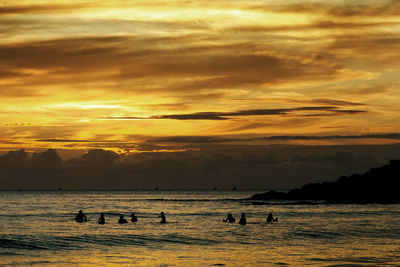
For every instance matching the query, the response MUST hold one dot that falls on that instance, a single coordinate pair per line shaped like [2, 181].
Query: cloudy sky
[187, 75]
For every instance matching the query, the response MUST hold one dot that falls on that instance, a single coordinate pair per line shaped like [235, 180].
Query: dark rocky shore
[378, 185]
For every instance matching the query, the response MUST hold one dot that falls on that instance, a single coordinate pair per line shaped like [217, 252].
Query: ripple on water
[81, 242]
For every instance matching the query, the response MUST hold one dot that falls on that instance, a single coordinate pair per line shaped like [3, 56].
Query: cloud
[324, 101]
[194, 139]
[222, 139]
[56, 140]
[262, 167]
[284, 68]
[318, 25]
[131, 59]
[394, 136]
[346, 10]
[100, 155]
[49, 155]
[14, 155]
[329, 111]
[46, 8]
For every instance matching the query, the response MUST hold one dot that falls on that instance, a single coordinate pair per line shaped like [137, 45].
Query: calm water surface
[37, 228]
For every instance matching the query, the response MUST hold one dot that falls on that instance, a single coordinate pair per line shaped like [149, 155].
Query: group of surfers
[243, 221]
[81, 217]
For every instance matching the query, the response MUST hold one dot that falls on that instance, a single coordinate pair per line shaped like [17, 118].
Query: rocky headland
[378, 185]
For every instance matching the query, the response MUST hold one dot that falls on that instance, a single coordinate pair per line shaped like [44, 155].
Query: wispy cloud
[324, 111]
[394, 136]
[185, 67]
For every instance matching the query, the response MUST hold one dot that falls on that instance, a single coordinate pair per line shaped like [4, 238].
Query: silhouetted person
[229, 219]
[242, 219]
[133, 217]
[162, 216]
[80, 217]
[122, 220]
[101, 219]
[271, 218]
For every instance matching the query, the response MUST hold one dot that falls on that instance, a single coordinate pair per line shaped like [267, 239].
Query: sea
[37, 228]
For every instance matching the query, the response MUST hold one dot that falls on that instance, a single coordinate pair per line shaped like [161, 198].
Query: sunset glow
[122, 75]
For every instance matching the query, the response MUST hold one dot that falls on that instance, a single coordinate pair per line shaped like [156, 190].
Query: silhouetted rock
[378, 185]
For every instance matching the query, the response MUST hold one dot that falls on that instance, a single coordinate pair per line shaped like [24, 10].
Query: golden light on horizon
[188, 68]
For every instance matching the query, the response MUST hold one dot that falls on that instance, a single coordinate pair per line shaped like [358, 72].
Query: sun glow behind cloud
[118, 73]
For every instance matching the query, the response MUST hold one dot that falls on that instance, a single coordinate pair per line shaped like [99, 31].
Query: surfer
[133, 217]
[122, 220]
[271, 218]
[162, 216]
[229, 219]
[101, 219]
[80, 217]
[242, 219]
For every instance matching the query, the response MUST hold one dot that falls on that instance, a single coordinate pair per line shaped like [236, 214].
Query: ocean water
[38, 228]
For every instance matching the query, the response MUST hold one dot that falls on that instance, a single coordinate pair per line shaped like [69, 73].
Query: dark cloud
[325, 101]
[242, 166]
[339, 157]
[14, 155]
[195, 139]
[131, 58]
[394, 136]
[222, 139]
[100, 155]
[329, 111]
[28, 9]
[348, 9]
[49, 156]
[56, 140]
[59, 53]
[319, 25]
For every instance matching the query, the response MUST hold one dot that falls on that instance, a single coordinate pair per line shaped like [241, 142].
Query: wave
[25, 242]
[190, 199]
[317, 234]
[20, 244]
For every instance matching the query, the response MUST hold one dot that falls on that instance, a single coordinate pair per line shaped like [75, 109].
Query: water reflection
[40, 225]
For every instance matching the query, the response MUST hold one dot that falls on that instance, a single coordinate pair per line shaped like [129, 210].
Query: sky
[168, 78]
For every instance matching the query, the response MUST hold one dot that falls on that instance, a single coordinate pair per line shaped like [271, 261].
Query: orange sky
[164, 75]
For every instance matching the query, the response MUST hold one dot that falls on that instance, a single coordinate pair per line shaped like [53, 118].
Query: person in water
[242, 219]
[229, 219]
[122, 220]
[271, 218]
[80, 217]
[133, 217]
[101, 219]
[162, 216]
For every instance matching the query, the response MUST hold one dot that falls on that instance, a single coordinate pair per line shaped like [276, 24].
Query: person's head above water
[242, 219]
[163, 219]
